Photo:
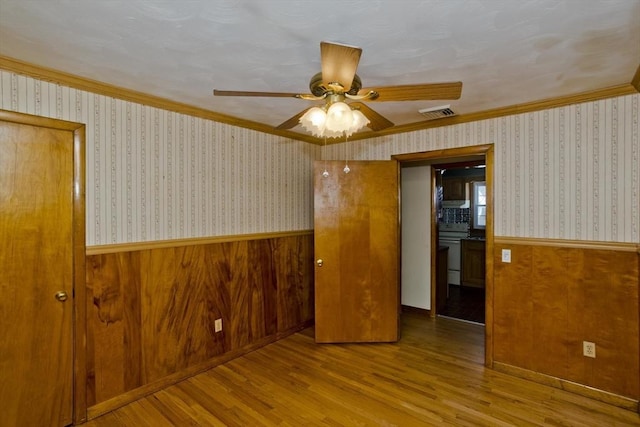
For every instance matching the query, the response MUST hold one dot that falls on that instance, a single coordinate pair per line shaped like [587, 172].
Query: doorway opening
[462, 210]
[461, 223]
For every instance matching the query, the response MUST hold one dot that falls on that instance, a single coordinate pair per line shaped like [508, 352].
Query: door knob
[319, 262]
[61, 296]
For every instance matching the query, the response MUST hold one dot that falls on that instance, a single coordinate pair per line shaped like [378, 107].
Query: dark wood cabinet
[454, 188]
[473, 263]
[442, 278]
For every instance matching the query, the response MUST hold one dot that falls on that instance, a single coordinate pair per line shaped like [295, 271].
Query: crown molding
[545, 104]
[81, 83]
[635, 82]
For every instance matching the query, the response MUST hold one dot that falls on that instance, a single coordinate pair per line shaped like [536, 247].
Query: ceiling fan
[338, 82]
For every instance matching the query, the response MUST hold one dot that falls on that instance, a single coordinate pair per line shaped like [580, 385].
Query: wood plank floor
[433, 376]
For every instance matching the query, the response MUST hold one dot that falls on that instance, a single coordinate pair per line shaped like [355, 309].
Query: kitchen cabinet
[473, 263]
[454, 188]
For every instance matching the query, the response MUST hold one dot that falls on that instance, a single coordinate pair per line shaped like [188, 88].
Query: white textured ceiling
[505, 52]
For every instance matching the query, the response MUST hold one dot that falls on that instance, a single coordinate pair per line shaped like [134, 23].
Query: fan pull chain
[325, 173]
[346, 169]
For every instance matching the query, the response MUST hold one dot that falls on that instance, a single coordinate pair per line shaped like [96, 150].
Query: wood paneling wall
[151, 312]
[551, 298]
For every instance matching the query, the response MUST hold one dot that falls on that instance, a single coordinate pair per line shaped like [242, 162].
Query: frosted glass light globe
[339, 117]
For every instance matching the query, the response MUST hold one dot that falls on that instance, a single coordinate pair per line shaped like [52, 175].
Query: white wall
[565, 173]
[154, 174]
[415, 182]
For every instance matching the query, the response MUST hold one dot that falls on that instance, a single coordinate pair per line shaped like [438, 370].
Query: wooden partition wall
[553, 296]
[151, 312]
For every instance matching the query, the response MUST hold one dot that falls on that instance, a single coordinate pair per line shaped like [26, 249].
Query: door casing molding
[77, 137]
[460, 155]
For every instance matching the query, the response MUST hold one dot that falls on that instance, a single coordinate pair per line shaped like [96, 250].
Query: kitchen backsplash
[455, 215]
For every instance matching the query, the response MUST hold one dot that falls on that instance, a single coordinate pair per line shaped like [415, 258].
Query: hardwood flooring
[433, 376]
[466, 303]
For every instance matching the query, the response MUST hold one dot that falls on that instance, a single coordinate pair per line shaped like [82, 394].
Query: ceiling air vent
[437, 112]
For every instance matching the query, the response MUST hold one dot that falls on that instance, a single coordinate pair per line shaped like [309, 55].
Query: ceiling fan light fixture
[339, 120]
[331, 134]
[316, 116]
[313, 120]
[339, 117]
[359, 120]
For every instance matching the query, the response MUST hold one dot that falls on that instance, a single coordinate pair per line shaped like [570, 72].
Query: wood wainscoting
[151, 309]
[555, 294]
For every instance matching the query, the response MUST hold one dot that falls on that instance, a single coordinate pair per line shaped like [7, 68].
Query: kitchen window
[479, 204]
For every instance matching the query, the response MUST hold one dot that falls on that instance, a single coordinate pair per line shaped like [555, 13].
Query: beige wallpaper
[155, 175]
[567, 173]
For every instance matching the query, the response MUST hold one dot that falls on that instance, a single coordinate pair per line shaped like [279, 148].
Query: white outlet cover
[506, 255]
[588, 349]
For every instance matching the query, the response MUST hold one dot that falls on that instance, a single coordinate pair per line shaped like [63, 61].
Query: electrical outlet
[588, 349]
[506, 255]
[217, 325]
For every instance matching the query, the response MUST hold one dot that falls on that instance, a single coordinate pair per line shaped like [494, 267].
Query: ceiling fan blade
[293, 121]
[376, 120]
[217, 92]
[339, 63]
[451, 90]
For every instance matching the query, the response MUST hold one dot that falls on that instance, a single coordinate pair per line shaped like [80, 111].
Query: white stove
[459, 230]
[450, 235]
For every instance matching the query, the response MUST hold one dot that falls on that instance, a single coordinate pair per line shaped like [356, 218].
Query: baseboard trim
[581, 389]
[422, 311]
[116, 402]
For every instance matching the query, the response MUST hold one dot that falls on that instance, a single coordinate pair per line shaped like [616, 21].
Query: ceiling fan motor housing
[317, 87]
